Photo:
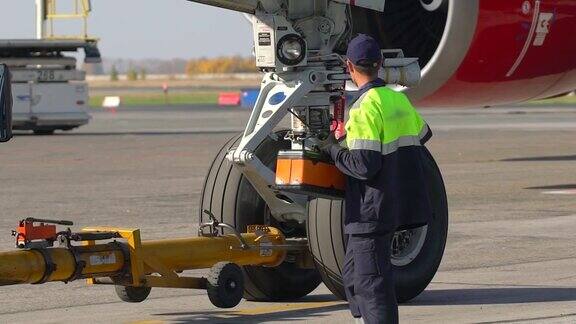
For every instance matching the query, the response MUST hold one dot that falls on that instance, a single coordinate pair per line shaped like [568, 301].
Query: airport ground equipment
[5, 104]
[49, 91]
[276, 177]
[120, 257]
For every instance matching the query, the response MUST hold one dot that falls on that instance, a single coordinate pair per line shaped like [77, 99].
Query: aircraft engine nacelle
[480, 52]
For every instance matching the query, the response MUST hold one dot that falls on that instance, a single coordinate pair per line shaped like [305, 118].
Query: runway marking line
[284, 307]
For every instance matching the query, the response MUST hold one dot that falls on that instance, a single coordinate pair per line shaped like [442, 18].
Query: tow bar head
[37, 233]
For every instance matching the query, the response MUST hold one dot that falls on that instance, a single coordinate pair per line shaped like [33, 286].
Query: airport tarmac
[510, 175]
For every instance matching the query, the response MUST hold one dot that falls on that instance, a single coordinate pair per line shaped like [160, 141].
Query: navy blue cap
[364, 50]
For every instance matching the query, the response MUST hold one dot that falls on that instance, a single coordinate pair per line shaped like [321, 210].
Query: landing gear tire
[225, 285]
[229, 196]
[416, 254]
[133, 294]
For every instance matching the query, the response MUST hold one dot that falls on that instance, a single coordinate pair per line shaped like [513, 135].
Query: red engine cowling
[481, 52]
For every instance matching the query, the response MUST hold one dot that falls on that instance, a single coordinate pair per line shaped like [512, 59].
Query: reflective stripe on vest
[373, 145]
[383, 120]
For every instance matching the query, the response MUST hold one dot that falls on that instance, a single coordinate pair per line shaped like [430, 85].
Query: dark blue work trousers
[368, 278]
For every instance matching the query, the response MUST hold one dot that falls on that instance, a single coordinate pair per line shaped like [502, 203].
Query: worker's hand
[331, 139]
[325, 145]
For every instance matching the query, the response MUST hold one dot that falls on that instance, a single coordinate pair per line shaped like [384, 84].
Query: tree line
[225, 64]
[218, 65]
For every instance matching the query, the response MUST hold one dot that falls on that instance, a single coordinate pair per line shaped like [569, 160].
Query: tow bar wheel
[225, 285]
[132, 294]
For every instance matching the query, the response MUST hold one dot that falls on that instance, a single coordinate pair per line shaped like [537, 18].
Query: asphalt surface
[510, 175]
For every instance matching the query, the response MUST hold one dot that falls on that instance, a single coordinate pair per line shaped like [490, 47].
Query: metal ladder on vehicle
[48, 14]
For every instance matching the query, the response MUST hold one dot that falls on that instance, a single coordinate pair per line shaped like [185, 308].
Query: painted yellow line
[277, 308]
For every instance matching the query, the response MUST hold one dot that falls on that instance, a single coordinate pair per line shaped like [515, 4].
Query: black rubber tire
[133, 294]
[232, 199]
[44, 131]
[327, 241]
[225, 285]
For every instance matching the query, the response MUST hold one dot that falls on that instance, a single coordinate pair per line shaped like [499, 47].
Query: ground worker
[385, 188]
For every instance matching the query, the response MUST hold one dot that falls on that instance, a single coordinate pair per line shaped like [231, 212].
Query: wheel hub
[406, 245]
[432, 5]
[231, 285]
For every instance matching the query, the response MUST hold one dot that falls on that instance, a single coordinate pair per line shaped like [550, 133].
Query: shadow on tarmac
[305, 314]
[555, 187]
[542, 158]
[442, 297]
[494, 296]
[153, 133]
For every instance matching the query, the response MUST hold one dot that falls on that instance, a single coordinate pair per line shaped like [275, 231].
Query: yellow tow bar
[120, 257]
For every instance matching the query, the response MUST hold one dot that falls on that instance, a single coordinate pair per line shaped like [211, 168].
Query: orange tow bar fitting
[105, 255]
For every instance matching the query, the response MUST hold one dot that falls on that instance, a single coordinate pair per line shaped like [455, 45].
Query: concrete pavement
[510, 255]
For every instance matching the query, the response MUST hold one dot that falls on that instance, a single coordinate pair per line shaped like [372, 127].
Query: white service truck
[49, 92]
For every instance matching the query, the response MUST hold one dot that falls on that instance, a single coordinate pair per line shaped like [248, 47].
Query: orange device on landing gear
[307, 172]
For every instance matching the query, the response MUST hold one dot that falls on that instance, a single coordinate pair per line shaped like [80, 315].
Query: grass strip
[158, 99]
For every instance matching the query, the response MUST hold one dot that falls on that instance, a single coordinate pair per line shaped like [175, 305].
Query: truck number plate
[45, 75]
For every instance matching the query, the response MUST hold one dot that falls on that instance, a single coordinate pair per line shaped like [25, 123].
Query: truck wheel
[231, 198]
[416, 254]
[44, 131]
